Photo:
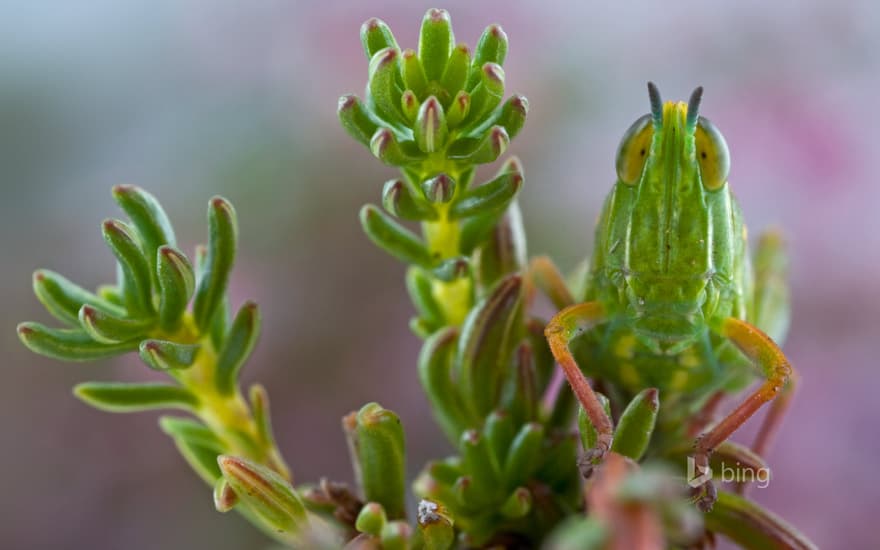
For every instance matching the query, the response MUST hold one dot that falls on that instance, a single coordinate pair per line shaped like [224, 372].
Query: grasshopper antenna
[656, 104]
[693, 111]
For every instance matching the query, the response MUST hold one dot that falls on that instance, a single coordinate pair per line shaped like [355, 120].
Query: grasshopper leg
[567, 324]
[544, 275]
[759, 348]
[771, 314]
[770, 424]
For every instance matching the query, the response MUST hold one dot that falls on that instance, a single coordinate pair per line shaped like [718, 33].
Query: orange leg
[771, 423]
[758, 347]
[567, 324]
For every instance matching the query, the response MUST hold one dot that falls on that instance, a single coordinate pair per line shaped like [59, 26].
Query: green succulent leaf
[214, 278]
[486, 95]
[385, 146]
[435, 42]
[409, 106]
[111, 329]
[458, 109]
[136, 272]
[266, 493]
[636, 425]
[504, 251]
[457, 69]
[494, 195]
[376, 441]
[394, 238]
[375, 36]
[420, 288]
[355, 119]
[163, 355]
[63, 299]
[748, 524]
[435, 373]
[192, 431]
[176, 285]
[524, 455]
[371, 519]
[430, 128]
[129, 397]
[399, 200]
[478, 459]
[414, 77]
[488, 337]
[383, 85]
[518, 504]
[440, 189]
[499, 432]
[148, 217]
[491, 48]
[238, 346]
[396, 535]
[68, 344]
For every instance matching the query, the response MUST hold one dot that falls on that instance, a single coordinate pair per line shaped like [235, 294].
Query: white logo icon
[697, 475]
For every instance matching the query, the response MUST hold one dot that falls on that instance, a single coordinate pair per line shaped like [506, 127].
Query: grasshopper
[671, 298]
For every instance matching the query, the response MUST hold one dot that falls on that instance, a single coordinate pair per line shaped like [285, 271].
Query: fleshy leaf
[68, 344]
[376, 442]
[148, 217]
[239, 343]
[636, 425]
[375, 36]
[487, 340]
[266, 493]
[354, 118]
[394, 238]
[435, 42]
[128, 397]
[63, 299]
[214, 278]
[176, 284]
[164, 355]
[524, 455]
[110, 329]
[137, 275]
[746, 523]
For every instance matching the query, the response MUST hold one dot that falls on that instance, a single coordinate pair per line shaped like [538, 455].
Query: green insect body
[671, 298]
[670, 262]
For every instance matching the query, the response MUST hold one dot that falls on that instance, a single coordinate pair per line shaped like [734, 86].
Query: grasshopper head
[673, 222]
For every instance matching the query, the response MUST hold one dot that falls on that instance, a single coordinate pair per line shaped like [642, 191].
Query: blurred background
[189, 99]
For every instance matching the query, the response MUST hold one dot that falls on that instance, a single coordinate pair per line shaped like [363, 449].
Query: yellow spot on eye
[712, 154]
[633, 150]
[629, 375]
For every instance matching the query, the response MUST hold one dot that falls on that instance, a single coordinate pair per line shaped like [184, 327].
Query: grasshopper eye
[633, 150]
[712, 154]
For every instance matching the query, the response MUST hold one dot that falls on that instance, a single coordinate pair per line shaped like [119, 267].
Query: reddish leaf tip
[346, 102]
[652, 398]
[436, 15]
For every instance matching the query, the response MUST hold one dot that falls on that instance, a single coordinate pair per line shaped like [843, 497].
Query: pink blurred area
[189, 99]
